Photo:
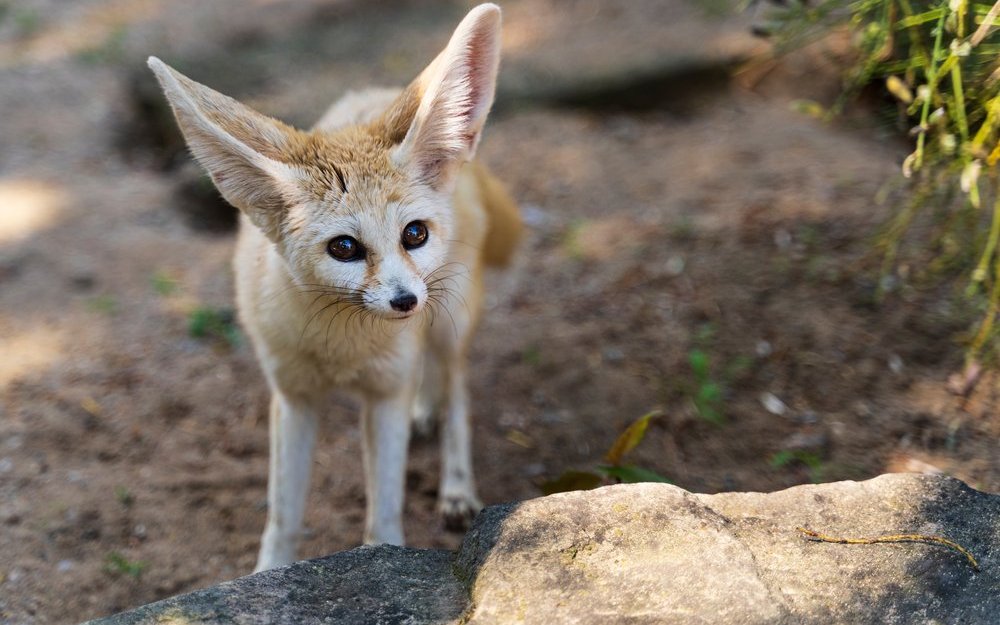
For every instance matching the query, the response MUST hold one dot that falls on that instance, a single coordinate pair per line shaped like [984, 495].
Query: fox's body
[359, 267]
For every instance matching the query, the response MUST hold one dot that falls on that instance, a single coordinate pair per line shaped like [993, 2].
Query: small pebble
[675, 266]
[888, 283]
[772, 404]
[65, 565]
[863, 409]
[550, 417]
[763, 349]
[534, 215]
[807, 441]
[782, 238]
[534, 469]
[613, 354]
[895, 364]
[807, 418]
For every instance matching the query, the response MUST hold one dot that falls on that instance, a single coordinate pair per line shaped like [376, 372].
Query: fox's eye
[414, 235]
[345, 249]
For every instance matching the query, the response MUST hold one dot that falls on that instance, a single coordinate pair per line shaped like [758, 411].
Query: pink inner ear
[482, 59]
[447, 130]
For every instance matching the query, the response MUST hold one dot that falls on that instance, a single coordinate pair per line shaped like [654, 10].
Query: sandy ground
[133, 453]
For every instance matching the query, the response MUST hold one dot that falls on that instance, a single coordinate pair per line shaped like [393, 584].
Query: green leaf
[123, 496]
[922, 18]
[699, 362]
[786, 457]
[781, 458]
[631, 474]
[163, 283]
[710, 413]
[117, 564]
[808, 107]
[572, 480]
[219, 323]
[709, 392]
[628, 439]
[531, 356]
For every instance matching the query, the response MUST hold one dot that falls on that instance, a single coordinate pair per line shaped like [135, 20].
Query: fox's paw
[458, 511]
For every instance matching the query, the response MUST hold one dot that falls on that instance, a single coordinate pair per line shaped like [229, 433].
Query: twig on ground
[894, 538]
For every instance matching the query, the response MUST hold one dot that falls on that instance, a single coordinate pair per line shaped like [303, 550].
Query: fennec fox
[359, 266]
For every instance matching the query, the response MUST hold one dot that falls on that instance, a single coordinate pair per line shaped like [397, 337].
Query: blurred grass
[219, 323]
[939, 64]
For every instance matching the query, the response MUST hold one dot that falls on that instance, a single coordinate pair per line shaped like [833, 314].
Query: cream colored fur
[319, 324]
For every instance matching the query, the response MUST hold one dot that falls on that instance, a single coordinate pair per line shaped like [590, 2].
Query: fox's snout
[398, 296]
[404, 301]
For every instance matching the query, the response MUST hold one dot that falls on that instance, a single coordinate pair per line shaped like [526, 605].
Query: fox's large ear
[456, 94]
[239, 147]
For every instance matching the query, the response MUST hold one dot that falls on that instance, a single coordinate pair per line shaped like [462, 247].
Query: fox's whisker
[465, 243]
[313, 316]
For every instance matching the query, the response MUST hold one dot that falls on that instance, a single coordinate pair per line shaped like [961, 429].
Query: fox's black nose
[404, 301]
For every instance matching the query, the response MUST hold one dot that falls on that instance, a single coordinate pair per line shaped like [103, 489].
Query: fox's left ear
[456, 94]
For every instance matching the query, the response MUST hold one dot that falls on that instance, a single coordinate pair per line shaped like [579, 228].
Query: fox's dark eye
[414, 235]
[345, 249]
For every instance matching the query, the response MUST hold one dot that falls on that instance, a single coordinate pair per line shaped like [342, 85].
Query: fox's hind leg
[457, 500]
[427, 404]
[445, 380]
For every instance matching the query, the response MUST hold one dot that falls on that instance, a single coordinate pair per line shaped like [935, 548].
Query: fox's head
[364, 210]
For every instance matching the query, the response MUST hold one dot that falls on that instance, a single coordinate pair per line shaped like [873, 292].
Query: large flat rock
[652, 553]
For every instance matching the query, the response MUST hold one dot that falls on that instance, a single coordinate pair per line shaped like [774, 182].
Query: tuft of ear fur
[457, 91]
[239, 147]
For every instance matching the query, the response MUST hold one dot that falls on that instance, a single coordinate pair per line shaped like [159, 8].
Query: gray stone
[382, 585]
[653, 553]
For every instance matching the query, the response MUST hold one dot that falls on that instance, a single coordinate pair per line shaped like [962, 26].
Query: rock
[652, 553]
[380, 584]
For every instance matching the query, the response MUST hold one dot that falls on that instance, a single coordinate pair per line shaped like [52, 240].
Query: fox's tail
[505, 227]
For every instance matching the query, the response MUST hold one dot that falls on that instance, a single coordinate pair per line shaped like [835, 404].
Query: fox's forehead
[379, 197]
[353, 159]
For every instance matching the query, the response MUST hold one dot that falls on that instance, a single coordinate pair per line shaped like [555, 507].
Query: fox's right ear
[456, 92]
[240, 148]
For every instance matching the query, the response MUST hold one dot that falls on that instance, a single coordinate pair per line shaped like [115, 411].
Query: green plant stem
[959, 107]
[931, 75]
[980, 273]
[986, 327]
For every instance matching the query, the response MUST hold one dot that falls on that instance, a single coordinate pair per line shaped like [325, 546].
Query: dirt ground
[710, 220]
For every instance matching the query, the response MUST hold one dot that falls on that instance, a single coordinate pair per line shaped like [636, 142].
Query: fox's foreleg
[385, 424]
[293, 435]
